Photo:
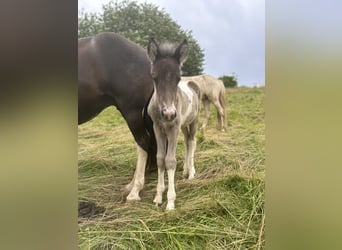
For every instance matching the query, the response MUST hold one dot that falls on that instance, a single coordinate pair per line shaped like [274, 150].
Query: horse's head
[166, 72]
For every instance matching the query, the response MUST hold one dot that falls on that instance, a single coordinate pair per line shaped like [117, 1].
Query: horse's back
[209, 85]
[110, 57]
[126, 67]
[111, 71]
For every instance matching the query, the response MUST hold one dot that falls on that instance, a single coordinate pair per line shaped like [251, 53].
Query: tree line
[138, 23]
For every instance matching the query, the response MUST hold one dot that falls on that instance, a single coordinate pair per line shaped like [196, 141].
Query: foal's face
[165, 70]
[166, 75]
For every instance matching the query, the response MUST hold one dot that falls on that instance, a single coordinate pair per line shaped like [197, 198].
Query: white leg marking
[186, 160]
[161, 147]
[129, 186]
[191, 166]
[171, 193]
[139, 175]
[185, 169]
[160, 187]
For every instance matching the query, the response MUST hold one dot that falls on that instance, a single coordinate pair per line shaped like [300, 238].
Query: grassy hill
[222, 208]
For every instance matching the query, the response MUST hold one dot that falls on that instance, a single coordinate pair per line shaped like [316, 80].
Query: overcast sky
[231, 32]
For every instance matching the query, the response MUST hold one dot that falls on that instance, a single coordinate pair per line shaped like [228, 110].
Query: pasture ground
[222, 208]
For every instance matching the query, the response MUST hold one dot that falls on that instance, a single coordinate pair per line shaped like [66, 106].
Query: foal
[174, 106]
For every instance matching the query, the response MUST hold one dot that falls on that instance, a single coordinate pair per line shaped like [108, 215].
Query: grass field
[222, 208]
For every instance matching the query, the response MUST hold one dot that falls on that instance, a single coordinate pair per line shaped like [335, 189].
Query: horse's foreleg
[170, 165]
[171, 193]
[138, 180]
[161, 150]
[158, 199]
[191, 151]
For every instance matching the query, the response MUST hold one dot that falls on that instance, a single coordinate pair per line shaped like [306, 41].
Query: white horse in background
[213, 91]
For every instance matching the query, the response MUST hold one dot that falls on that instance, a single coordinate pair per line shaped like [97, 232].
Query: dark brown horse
[114, 71]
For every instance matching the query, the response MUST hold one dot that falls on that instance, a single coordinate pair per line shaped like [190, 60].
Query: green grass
[222, 208]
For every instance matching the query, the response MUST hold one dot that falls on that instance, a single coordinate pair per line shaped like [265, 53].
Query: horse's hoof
[191, 177]
[133, 197]
[157, 201]
[192, 173]
[170, 206]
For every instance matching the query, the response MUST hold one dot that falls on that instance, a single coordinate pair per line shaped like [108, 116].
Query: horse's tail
[222, 101]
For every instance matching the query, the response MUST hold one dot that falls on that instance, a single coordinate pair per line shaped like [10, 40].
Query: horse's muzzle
[169, 114]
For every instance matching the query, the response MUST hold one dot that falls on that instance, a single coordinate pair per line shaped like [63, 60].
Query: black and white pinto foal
[174, 106]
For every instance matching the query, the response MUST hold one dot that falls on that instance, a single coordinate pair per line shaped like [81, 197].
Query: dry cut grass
[222, 208]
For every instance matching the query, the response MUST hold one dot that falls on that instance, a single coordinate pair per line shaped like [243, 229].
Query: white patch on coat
[183, 85]
[171, 193]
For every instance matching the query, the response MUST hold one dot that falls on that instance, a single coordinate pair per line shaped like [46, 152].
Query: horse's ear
[152, 50]
[182, 51]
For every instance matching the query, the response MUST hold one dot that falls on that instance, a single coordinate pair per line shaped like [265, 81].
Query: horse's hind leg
[221, 114]
[219, 119]
[185, 131]
[206, 104]
[191, 147]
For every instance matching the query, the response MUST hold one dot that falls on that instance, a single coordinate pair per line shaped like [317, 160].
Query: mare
[213, 91]
[115, 71]
[174, 106]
